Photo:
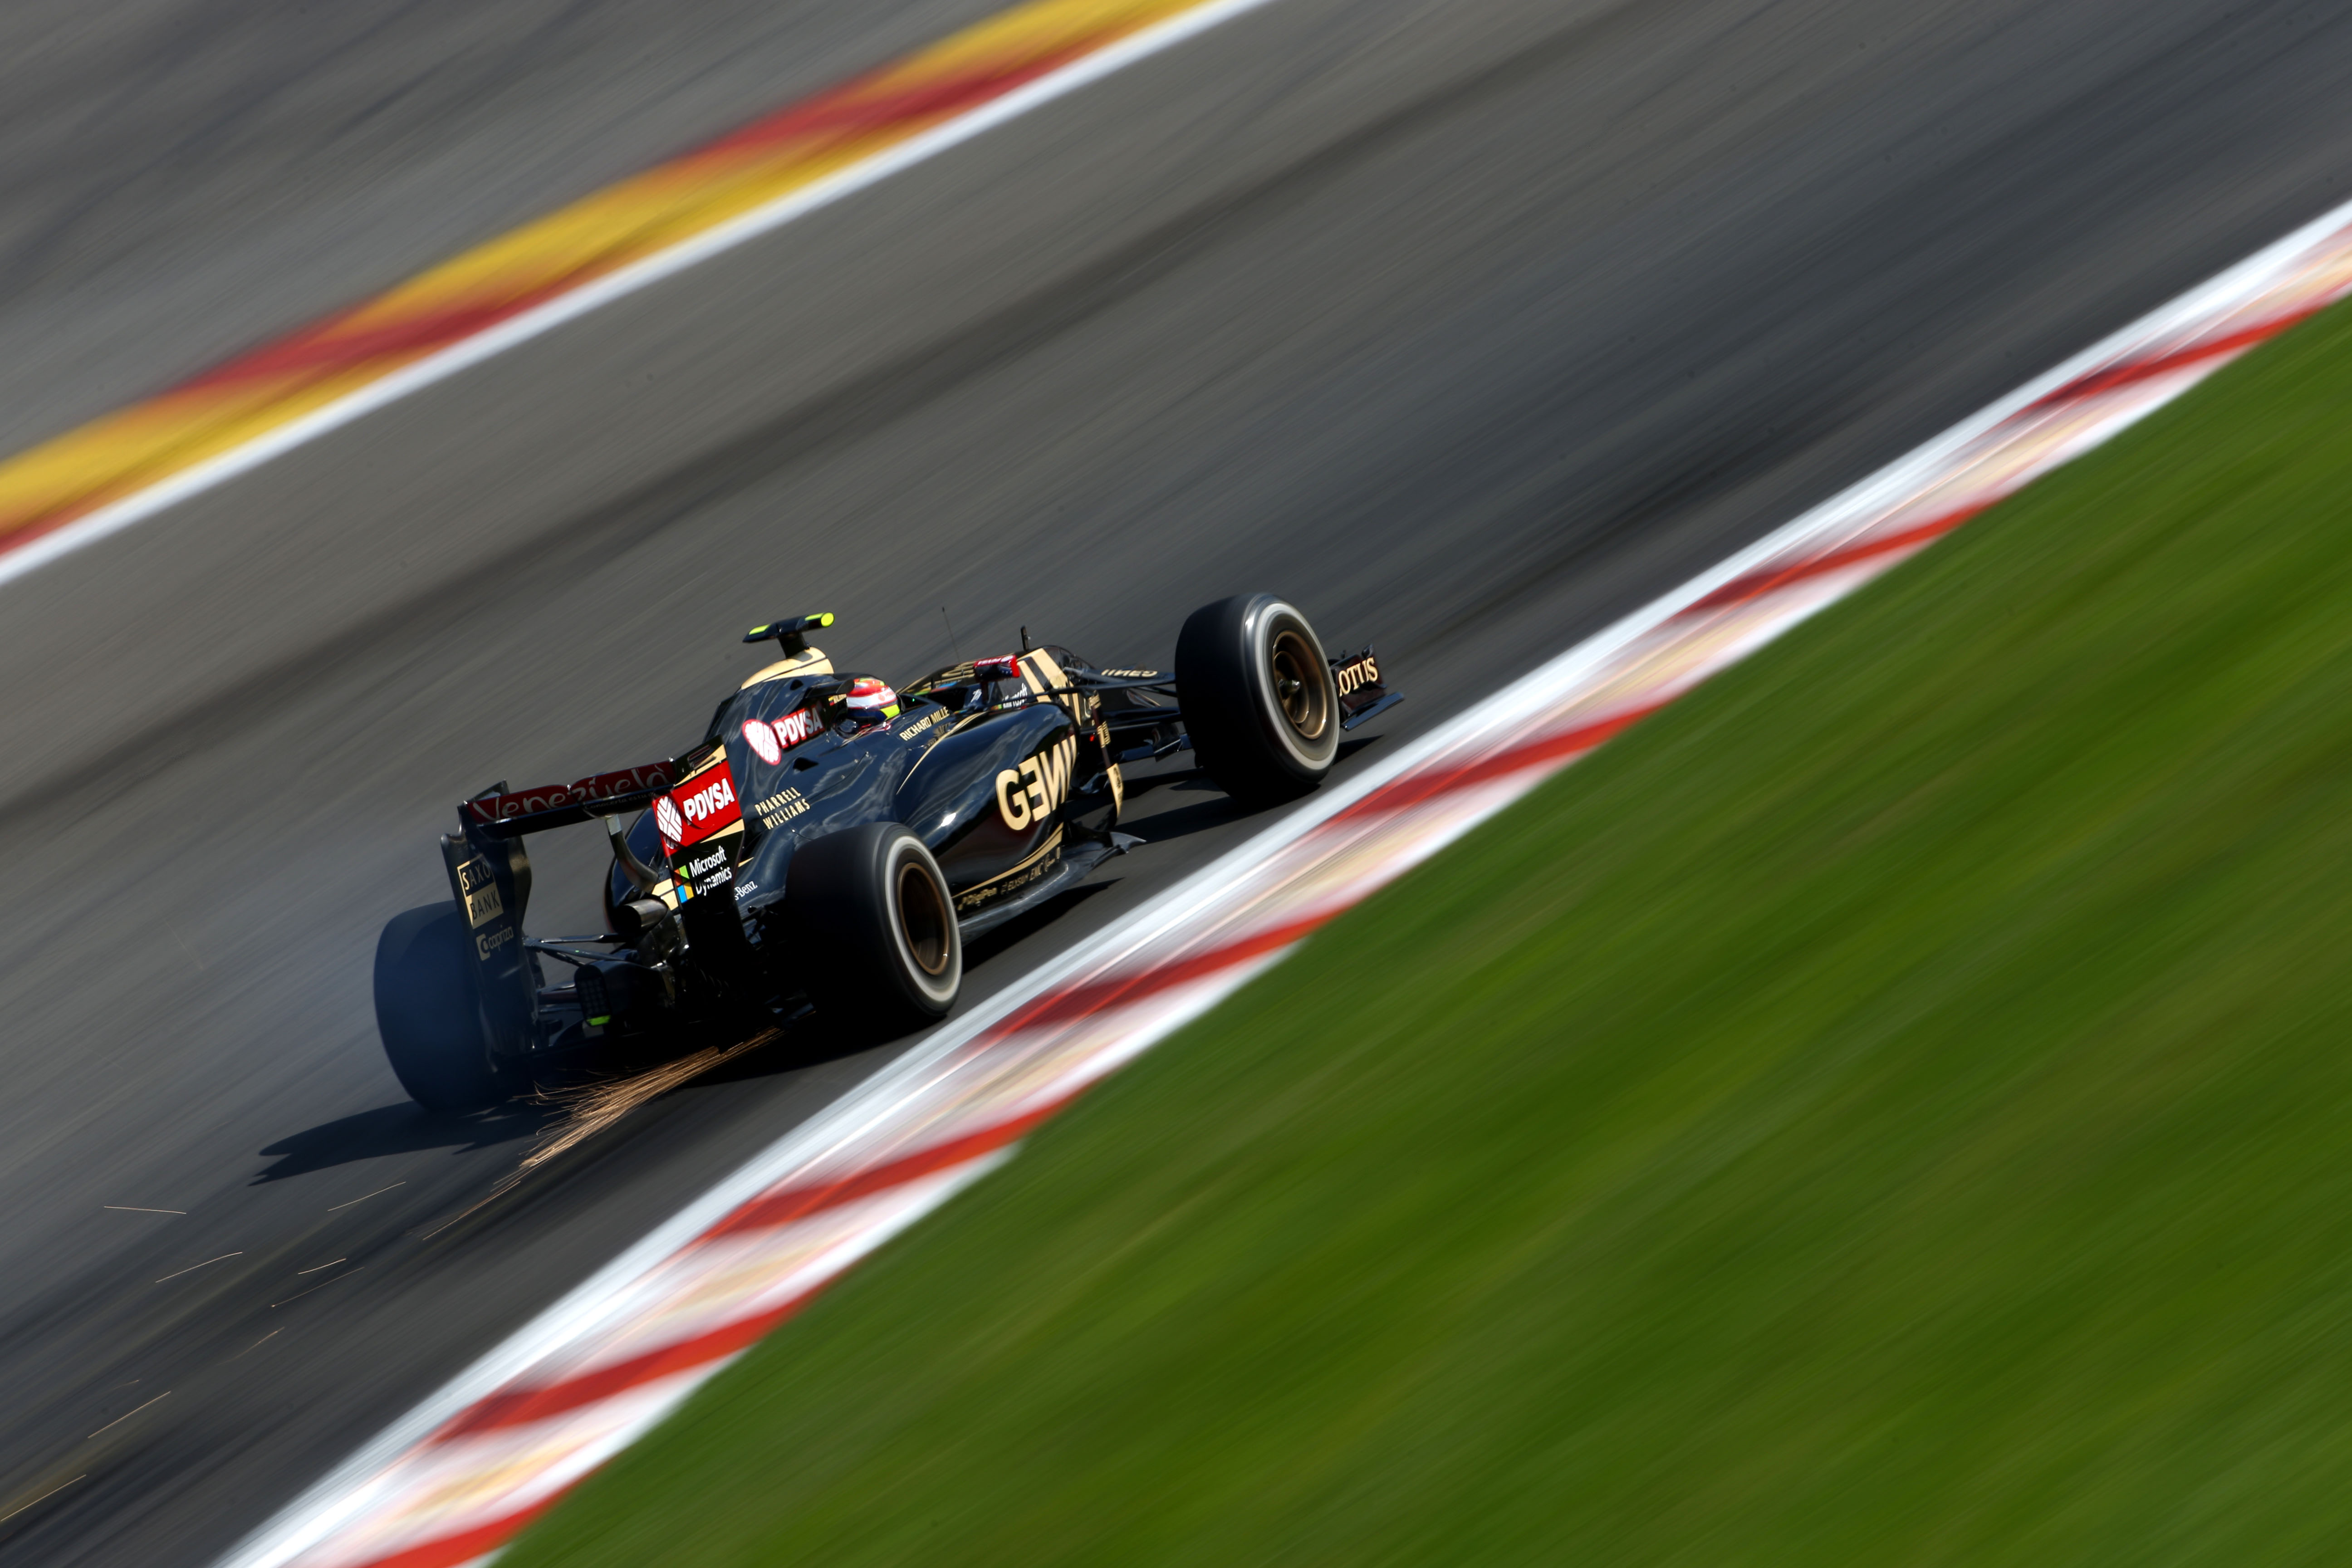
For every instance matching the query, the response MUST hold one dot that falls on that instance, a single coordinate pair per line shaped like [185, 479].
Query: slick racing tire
[1258, 698]
[871, 916]
[428, 1009]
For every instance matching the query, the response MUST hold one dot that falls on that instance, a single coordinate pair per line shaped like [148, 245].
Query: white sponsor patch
[665, 817]
[709, 801]
[762, 740]
[797, 726]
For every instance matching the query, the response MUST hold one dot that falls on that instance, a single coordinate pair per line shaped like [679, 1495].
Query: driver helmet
[869, 701]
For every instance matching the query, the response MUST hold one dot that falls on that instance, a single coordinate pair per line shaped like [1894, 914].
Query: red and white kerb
[485, 1455]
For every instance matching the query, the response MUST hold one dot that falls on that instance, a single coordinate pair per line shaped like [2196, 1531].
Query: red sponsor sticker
[702, 805]
[581, 792]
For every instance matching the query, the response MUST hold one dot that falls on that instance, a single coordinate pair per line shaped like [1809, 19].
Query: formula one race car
[830, 842]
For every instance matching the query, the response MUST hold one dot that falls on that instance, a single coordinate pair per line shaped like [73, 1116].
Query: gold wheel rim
[923, 919]
[1301, 688]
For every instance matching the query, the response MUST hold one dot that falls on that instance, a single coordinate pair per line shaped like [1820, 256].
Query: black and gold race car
[831, 842]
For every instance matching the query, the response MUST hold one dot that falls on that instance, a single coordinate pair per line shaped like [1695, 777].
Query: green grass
[1890, 1109]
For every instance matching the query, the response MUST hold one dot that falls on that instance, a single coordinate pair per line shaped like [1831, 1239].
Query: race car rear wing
[490, 876]
[490, 879]
[504, 815]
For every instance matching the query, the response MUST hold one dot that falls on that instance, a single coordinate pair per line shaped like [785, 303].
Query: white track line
[212, 472]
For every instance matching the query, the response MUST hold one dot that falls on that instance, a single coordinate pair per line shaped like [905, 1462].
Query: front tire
[876, 928]
[428, 1010]
[1258, 699]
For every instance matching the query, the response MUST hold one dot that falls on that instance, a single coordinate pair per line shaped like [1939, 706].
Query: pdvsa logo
[707, 803]
[761, 738]
[1037, 788]
[771, 740]
[705, 806]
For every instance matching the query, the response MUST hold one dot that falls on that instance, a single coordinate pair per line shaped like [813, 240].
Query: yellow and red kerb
[126, 452]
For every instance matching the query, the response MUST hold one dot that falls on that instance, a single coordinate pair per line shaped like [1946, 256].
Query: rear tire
[428, 1010]
[874, 926]
[1258, 699]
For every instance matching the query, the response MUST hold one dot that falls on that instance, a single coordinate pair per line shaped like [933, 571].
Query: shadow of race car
[832, 841]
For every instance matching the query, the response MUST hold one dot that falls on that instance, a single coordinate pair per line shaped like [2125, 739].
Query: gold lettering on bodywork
[482, 901]
[1013, 799]
[780, 808]
[1040, 861]
[1056, 764]
[1038, 786]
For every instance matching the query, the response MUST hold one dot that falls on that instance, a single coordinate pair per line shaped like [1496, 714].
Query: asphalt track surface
[1467, 326]
[180, 180]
